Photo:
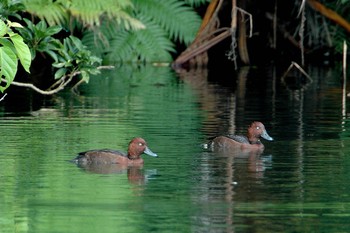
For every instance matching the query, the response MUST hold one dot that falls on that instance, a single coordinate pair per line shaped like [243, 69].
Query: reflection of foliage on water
[145, 89]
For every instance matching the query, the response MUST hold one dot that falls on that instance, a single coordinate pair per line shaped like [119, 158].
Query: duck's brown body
[250, 142]
[137, 147]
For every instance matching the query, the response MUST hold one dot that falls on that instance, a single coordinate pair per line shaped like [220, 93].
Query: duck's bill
[266, 136]
[150, 153]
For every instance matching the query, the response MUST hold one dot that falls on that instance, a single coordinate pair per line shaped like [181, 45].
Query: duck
[137, 147]
[255, 131]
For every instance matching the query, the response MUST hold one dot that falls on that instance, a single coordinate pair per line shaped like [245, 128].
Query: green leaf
[29, 23]
[8, 65]
[41, 26]
[53, 30]
[22, 49]
[53, 55]
[77, 43]
[59, 64]
[26, 33]
[3, 28]
[15, 24]
[60, 73]
[85, 76]
[7, 43]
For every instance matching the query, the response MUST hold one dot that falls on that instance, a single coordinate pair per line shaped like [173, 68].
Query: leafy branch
[12, 49]
[71, 59]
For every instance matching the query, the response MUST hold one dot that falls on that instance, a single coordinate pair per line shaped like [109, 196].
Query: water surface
[300, 183]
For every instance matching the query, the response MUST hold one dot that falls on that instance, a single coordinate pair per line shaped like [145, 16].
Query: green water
[299, 184]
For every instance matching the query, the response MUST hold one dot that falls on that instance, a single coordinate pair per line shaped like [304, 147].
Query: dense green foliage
[83, 13]
[73, 57]
[320, 32]
[124, 30]
[69, 57]
[336, 33]
[40, 38]
[166, 23]
[12, 49]
[118, 30]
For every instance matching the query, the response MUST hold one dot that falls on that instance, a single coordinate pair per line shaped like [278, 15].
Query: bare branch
[345, 49]
[43, 92]
[3, 97]
[243, 12]
[56, 87]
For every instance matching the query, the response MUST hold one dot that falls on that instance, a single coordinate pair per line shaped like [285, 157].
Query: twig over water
[60, 85]
[3, 97]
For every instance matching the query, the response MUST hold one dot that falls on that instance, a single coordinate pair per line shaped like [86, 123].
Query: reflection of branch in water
[292, 65]
[300, 148]
[345, 48]
[300, 123]
[302, 83]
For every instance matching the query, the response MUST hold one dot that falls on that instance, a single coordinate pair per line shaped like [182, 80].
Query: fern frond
[147, 45]
[178, 19]
[129, 22]
[195, 3]
[89, 12]
[52, 12]
[98, 39]
[164, 22]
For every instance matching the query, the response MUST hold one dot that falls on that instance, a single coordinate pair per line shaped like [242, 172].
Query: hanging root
[231, 54]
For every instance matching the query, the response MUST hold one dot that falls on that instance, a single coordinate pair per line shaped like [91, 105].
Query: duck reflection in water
[135, 173]
[252, 163]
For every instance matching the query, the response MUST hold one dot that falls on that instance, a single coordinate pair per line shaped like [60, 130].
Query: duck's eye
[140, 144]
[257, 127]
